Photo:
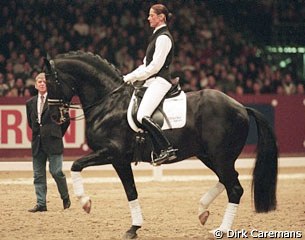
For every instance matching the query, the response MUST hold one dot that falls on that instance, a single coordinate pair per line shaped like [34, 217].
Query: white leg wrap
[210, 196]
[84, 200]
[78, 188]
[136, 213]
[77, 184]
[228, 218]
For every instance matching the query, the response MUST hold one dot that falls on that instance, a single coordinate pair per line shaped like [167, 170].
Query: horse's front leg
[125, 173]
[92, 159]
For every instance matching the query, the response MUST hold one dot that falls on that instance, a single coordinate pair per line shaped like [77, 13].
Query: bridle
[64, 106]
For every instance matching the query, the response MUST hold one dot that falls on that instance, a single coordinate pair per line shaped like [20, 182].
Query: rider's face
[154, 19]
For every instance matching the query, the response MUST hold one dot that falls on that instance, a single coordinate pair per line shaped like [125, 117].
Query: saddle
[159, 116]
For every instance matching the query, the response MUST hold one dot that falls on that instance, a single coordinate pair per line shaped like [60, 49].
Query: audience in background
[208, 53]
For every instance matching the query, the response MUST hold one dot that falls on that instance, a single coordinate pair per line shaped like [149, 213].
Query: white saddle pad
[174, 108]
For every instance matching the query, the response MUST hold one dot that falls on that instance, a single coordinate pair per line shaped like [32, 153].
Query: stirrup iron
[165, 155]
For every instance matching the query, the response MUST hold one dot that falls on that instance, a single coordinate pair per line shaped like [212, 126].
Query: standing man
[47, 144]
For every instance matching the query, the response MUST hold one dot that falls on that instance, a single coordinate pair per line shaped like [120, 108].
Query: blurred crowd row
[208, 53]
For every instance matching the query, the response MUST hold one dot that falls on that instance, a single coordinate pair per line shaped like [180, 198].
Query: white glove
[127, 78]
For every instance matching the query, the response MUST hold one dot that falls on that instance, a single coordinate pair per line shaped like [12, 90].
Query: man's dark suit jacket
[47, 135]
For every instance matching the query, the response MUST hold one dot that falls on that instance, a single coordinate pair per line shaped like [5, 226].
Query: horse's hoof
[131, 233]
[203, 217]
[87, 206]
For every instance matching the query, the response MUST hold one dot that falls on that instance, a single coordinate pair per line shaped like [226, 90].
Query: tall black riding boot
[167, 152]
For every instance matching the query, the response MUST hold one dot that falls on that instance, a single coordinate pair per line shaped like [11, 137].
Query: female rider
[156, 74]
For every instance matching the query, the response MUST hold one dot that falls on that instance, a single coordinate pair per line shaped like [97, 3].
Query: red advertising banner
[288, 116]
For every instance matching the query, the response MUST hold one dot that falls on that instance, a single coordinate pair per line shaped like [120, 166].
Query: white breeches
[157, 89]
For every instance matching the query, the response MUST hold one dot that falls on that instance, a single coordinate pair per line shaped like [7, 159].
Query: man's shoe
[66, 203]
[38, 208]
[165, 155]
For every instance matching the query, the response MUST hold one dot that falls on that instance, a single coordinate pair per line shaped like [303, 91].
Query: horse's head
[85, 75]
[59, 93]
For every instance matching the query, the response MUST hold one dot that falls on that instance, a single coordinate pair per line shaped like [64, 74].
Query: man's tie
[41, 107]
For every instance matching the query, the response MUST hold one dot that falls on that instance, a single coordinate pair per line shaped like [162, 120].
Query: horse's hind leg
[229, 178]
[207, 199]
[209, 196]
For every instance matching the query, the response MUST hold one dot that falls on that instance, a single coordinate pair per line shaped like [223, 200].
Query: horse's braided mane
[92, 59]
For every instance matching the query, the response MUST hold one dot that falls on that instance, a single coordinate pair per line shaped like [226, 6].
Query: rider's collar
[161, 26]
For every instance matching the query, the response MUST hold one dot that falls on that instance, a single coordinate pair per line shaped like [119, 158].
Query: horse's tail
[265, 170]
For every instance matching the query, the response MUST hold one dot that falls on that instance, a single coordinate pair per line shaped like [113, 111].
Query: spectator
[10, 80]
[19, 85]
[256, 88]
[27, 92]
[288, 84]
[267, 87]
[229, 84]
[2, 64]
[35, 58]
[12, 92]
[252, 71]
[280, 90]
[203, 79]
[81, 27]
[239, 90]
[300, 89]
[248, 87]
[3, 86]
[212, 83]
[179, 73]
[193, 84]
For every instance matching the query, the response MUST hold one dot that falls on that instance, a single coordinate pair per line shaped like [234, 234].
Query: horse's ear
[47, 63]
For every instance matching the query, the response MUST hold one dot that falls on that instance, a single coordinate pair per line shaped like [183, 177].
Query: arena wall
[285, 113]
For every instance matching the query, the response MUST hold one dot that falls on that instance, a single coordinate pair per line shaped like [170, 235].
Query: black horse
[215, 132]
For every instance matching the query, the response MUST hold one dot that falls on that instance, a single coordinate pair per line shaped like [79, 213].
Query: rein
[80, 117]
